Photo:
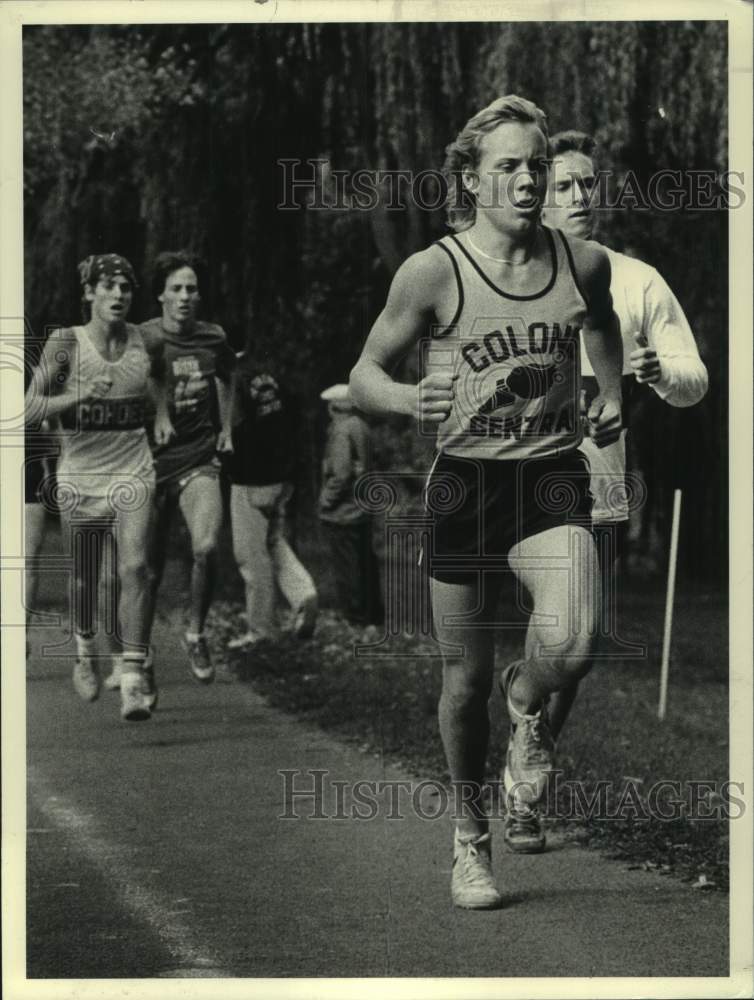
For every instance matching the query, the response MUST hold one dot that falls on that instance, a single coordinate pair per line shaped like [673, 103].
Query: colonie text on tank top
[105, 437]
[516, 358]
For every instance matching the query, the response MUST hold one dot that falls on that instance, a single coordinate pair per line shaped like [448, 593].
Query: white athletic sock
[146, 658]
[132, 662]
[85, 646]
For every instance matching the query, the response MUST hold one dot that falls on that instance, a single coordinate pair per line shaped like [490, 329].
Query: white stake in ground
[665, 668]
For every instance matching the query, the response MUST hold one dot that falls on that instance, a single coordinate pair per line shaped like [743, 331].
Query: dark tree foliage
[144, 138]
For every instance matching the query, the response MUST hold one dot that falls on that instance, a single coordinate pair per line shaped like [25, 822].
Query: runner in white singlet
[94, 379]
[505, 302]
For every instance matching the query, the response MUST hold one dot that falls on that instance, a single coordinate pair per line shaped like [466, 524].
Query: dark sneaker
[472, 884]
[530, 758]
[149, 683]
[522, 830]
[86, 679]
[112, 681]
[200, 663]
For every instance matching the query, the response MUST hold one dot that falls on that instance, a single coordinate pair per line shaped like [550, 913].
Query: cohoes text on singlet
[104, 441]
[516, 358]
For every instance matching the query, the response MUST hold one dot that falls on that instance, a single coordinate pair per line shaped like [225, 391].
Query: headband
[105, 265]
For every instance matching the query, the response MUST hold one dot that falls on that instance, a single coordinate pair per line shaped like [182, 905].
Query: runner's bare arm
[602, 339]
[601, 330]
[50, 392]
[408, 314]
[225, 406]
[157, 391]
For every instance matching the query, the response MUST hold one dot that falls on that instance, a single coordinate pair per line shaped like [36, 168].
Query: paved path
[157, 850]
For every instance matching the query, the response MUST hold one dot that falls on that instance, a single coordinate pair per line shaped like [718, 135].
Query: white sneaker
[245, 641]
[522, 830]
[472, 885]
[306, 618]
[134, 702]
[200, 662]
[112, 681]
[530, 757]
[86, 679]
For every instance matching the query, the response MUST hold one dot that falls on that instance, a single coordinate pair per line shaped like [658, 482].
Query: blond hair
[460, 203]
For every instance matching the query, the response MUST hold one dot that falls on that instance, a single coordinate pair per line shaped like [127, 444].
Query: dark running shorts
[482, 507]
[169, 490]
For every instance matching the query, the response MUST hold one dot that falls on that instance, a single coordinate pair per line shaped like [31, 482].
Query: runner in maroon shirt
[199, 364]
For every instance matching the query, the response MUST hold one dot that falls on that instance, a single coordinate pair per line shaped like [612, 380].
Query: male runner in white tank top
[506, 301]
[94, 379]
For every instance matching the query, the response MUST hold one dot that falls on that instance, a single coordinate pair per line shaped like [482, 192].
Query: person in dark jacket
[260, 469]
[346, 525]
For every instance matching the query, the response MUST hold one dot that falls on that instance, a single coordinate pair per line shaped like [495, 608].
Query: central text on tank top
[104, 442]
[123, 408]
[516, 358]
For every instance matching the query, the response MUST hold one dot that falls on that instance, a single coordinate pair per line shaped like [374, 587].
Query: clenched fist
[94, 388]
[644, 361]
[163, 428]
[434, 398]
[603, 421]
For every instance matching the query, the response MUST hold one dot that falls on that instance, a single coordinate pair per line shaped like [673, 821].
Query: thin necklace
[497, 260]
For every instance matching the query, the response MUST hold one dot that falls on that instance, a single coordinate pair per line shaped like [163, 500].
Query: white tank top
[104, 443]
[517, 358]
